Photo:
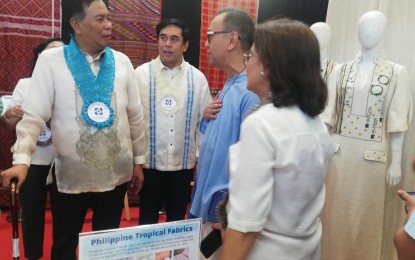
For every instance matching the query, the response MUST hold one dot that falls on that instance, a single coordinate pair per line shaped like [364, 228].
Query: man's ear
[186, 45]
[75, 25]
[234, 39]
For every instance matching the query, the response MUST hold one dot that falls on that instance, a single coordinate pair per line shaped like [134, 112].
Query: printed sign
[178, 240]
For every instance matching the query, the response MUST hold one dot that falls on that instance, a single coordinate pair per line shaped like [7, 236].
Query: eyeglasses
[247, 57]
[211, 33]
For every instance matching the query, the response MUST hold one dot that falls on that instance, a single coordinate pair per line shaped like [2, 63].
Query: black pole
[15, 227]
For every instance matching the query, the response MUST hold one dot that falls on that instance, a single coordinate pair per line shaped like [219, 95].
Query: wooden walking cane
[15, 227]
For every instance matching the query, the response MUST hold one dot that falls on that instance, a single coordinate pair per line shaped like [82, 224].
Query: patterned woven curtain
[134, 28]
[23, 25]
[215, 77]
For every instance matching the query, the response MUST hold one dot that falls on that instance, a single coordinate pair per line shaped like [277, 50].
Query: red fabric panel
[215, 77]
[23, 25]
[134, 28]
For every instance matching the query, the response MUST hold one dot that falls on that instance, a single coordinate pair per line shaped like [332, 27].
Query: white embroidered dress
[366, 113]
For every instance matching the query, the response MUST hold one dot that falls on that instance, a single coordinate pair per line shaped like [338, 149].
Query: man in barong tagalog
[174, 95]
[90, 94]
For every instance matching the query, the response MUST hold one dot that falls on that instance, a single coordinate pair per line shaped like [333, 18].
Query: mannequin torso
[371, 29]
[322, 31]
[372, 112]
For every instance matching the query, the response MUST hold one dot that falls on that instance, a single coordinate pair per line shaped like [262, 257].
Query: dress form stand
[322, 31]
[372, 112]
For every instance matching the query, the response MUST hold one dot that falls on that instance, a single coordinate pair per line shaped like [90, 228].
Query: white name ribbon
[168, 103]
[45, 135]
[98, 112]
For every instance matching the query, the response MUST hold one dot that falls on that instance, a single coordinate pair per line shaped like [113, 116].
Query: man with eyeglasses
[230, 35]
[174, 95]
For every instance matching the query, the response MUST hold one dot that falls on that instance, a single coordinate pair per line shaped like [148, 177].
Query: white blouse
[277, 174]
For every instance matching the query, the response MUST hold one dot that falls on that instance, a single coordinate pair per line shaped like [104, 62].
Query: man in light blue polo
[230, 35]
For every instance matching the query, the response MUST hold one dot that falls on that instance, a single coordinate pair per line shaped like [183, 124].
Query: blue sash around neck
[92, 88]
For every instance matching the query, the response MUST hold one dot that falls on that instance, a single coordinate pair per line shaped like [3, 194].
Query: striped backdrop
[134, 28]
[23, 25]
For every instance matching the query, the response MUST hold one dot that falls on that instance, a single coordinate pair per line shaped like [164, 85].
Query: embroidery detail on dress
[369, 124]
[327, 70]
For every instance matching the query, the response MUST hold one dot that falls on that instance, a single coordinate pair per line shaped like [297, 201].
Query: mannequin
[322, 31]
[373, 110]
[372, 27]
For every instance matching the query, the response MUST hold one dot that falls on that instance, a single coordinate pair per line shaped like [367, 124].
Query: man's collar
[91, 60]
[162, 67]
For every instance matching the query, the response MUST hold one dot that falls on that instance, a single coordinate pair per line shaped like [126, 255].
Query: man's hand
[18, 171]
[12, 116]
[138, 179]
[409, 201]
[15, 112]
[222, 231]
[213, 108]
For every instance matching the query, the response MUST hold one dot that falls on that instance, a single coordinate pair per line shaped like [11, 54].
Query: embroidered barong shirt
[174, 100]
[87, 159]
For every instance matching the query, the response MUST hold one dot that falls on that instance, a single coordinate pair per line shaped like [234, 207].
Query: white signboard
[178, 240]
